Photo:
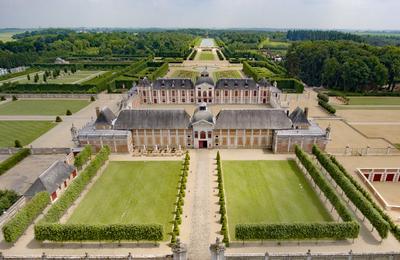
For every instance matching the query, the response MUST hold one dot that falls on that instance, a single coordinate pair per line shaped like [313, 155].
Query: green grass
[69, 78]
[46, 107]
[206, 55]
[131, 192]
[264, 72]
[269, 192]
[389, 101]
[267, 43]
[397, 146]
[227, 74]
[6, 36]
[187, 74]
[24, 131]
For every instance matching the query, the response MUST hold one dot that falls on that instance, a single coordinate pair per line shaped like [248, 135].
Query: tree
[28, 77]
[58, 119]
[68, 113]
[390, 57]
[36, 78]
[44, 78]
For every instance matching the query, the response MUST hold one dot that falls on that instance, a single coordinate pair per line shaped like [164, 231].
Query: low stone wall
[45, 95]
[12, 150]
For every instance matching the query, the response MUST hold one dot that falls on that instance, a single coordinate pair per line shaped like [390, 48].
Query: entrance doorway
[203, 144]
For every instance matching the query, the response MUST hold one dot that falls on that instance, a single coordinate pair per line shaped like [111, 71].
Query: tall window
[163, 93]
[196, 134]
[173, 92]
[183, 93]
[217, 93]
[209, 93]
[255, 93]
[204, 93]
[199, 93]
[236, 93]
[144, 93]
[226, 93]
[209, 134]
[246, 93]
[154, 93]
[202, 135]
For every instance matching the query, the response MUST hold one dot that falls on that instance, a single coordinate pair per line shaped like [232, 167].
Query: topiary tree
[17, 144]
[14, 98]
[68, 113]
[58, 119]
[2, 98]
[92, 98]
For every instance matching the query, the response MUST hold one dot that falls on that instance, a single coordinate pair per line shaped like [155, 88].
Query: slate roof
[227, 83]
[205, 115]
[252, 119]
[152, 119]
[106, 116]
[144, 82]
[51, 178]
[205, 79]
[264, 83]
[173, 83]
[299, 117]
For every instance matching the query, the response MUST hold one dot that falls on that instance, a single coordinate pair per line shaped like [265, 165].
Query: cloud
[325, 14]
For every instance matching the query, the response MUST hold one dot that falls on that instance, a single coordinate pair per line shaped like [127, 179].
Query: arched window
[209, 93]
[236, 93]
[204, 93]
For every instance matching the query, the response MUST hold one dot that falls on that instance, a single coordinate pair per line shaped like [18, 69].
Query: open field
[140, 192]
[42, 107]
[24, 131]
[379, 115]
[370, 101]
[69, 78]
[269, 192]
[6, 36]
[267, 43]
[205, 55]
[185, 74]
[227, 74]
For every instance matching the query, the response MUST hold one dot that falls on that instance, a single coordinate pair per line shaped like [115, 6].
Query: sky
[310, 14]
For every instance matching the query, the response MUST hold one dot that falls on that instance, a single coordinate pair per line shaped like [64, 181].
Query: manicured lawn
[42, 106]
[227, 74]
[188, 74]
[206, 55]
[24, 131]
[269, 192]
[131, 192]
[389, 101]
[68, 78]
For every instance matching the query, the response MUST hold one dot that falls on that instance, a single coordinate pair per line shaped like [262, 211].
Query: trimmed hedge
[83, 156]
[327, 106]
[160, 72]
[76, 187]
[395, 229]
[358, 199]
[222, 209]
[192, 55]
[115, 232]
[14, 160]
[220, 56]
[13, 229]
[323, 97]
[297, 231]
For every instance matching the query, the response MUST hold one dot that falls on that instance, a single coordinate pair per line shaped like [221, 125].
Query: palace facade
[204, 90]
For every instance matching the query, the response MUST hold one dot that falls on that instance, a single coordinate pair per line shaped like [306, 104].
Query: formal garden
[205, 55]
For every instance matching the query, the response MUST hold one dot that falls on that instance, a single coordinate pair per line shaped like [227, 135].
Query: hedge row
[192, 55]
[180, 198]
[13, 229]
[220, 56]
[395, 229]
[327, 106]
[76, 187]
[222, 207]
[297, 231]
[323, 185]
[83, 156]
[358, 199]
[115, 232]
[288, 84]
[14, 159]
[160, 72]
[323, 97]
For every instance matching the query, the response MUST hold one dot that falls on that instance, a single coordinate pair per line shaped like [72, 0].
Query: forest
[344, 65]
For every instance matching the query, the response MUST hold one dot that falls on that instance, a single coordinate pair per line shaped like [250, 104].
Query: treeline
[313, 35]
[344, 65]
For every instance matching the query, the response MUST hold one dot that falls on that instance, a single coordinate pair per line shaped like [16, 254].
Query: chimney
[97, 111]
[306, 112]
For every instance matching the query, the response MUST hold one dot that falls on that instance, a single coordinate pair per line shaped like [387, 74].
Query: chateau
[273, 128]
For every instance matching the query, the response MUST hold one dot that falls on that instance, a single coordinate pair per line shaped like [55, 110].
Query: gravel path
[199, 238]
